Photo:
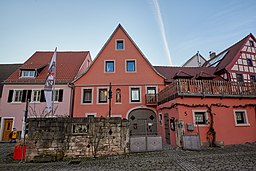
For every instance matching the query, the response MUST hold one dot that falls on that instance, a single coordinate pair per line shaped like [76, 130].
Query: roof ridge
[177, 66]
[62, 51]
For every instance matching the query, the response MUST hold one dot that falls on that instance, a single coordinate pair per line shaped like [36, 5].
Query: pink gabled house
[28, 81]
[135, 84]
[216, 101]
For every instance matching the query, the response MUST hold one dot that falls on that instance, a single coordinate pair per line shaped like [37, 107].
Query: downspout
[71, 109]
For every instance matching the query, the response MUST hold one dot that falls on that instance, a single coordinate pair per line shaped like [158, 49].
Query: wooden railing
[151, 99]
[206, 88]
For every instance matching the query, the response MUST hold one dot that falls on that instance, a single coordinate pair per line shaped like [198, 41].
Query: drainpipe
[72, 96]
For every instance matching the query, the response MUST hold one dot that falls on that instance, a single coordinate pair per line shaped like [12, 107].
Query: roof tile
[67, 66]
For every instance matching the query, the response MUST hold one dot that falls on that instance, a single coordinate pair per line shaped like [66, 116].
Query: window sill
[86, 103]
[130, 72]
[201, 125]
[242, 125]
[135, 102]
[16, 102]
[36, 102]
[108, 72]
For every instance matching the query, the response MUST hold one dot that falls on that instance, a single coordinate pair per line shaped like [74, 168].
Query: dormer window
[119, 44]
[28, 73]
[251, 43]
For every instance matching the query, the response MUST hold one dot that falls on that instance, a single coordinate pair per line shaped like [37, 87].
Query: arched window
[118, 95]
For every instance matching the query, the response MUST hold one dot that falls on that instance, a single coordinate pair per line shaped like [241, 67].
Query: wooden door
[7, 129]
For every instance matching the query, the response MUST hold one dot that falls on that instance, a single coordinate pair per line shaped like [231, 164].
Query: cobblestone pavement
[235, 157]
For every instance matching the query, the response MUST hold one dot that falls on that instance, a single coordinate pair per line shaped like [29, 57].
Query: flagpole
[53, 87]
[53, 95]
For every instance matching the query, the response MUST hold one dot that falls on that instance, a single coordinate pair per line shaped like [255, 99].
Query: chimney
[212, 54]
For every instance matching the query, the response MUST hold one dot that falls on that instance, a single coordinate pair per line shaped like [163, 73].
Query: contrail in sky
[162, 29]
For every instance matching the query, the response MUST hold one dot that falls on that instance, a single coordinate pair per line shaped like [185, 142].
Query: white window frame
[126, 66]
[116, 115]
[105, 65]
[32, 96]
[90, 114]
[82, 95]
[123, 44]
[98, 88]
[146, 88]
[206, 117]
[54, 95]
[14, 94]
[29, 72]
[245, 117]
[130, 94]
[120, 95]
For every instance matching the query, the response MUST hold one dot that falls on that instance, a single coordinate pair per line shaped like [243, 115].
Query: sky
[168, 32]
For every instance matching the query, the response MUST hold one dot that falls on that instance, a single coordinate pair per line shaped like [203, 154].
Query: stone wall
[53, 139]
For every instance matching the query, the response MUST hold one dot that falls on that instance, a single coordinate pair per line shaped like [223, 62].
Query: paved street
[236, 157]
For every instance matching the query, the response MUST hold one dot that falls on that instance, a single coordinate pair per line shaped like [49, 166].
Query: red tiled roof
[67, 66]
[232, 52]
[171, 72]
[204, 75]
[182, 74]
[5, 71]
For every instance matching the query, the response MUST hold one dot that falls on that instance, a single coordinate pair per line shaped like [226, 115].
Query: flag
[49, 82]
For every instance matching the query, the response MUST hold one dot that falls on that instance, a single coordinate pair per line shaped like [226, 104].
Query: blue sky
[160, 28]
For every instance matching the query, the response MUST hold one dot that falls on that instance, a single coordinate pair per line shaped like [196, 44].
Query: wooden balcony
[151, 99]
[203, 88]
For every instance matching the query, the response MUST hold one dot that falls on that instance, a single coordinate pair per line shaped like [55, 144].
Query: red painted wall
[96, 77]
[224, 119]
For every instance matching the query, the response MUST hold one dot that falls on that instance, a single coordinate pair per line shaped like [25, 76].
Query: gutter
[72, 96]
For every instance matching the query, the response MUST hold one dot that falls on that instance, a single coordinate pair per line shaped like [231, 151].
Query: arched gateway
[142, 122]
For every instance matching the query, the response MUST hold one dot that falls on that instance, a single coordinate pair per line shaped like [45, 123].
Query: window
[36, 96]
[103, 95]
[151, 90]
[118, 95]
[239, 78]
[241, 117]
[109, 66]
[200, 117]
[90, 115]
[252, 78]
[55, 95]
[17, 96]
[249, 61]
[28, 73]
[251, 43]
[87, 96]
[160, 119]
[130, 66]
[119, 45]
[135, 94]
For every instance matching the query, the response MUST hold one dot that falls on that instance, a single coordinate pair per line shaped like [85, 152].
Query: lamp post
[109, 98]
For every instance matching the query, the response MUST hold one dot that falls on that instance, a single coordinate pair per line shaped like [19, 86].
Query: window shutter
[60, 95]
[10, 96]
[29, 94]
[42, 98]
[24, 94]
